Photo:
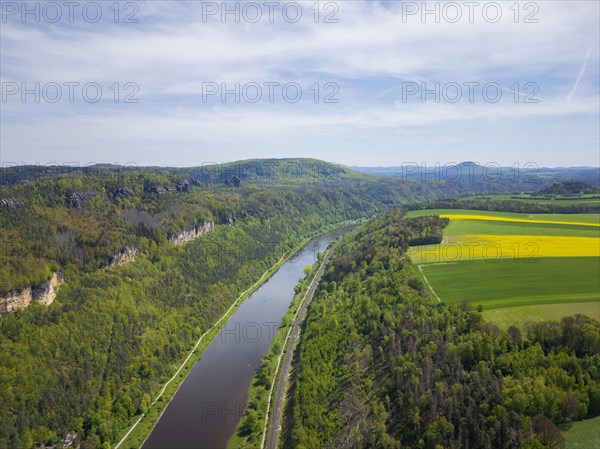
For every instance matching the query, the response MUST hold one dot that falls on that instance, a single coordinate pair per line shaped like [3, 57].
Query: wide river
[212, 398]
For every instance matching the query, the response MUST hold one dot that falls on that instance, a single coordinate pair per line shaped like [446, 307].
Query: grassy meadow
[509, 283]
[582, 434]
[511, 316]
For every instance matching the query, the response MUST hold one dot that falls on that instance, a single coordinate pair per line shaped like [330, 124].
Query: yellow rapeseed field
[491, 247]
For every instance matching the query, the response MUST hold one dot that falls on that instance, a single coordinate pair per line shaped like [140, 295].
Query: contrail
[587, 56]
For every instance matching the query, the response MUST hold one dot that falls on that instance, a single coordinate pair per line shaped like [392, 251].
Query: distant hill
[286, 170]
[301, 170]
[567, 188]
[524, 178]
[276, 171]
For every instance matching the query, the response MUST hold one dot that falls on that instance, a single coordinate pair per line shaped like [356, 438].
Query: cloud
[368, 53]
[579, 75]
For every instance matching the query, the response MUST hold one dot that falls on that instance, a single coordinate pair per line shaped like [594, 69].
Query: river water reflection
[211, 400]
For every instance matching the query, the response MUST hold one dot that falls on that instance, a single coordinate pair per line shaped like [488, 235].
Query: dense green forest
[84, 217]
[382, 364]
[568, 188]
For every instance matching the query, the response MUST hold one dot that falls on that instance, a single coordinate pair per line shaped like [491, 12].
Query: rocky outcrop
[44, 293]
[184, 186]
[159, 190]
[123, 191]
[14, 301]
[122, 257]
[10, 203]
[186, 236]
[233, 218]
[76, 199]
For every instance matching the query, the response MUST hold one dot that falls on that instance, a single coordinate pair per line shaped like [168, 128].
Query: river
[211, 400]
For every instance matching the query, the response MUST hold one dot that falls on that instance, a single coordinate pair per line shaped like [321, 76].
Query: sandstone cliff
[44, 293]
[14, 301]
[186, 236]
[123, 257]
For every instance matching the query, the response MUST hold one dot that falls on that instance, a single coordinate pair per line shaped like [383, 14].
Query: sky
[370, 83]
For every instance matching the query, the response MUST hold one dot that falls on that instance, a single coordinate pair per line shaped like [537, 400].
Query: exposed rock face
[123, 191]
[123, 257]
[14, 301]
[158, 190]
[185, 186]
[10, 203]
[44, 293]
[186, 236]
[235, 216]
[76, 199]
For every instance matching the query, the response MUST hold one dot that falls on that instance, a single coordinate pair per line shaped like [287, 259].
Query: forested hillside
[85, 217]
[56, 217]
[94, 358]
[381, 364]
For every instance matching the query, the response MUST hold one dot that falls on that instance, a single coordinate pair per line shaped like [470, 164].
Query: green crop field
[466, 227]
[583, 434]
[509, 283]
[519, 267]
[591, 200]
[510, 316]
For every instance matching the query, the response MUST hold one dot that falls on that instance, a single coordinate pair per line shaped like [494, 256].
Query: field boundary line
[428, 284]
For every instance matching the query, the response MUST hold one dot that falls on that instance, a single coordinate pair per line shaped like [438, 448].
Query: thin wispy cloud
[372, 54]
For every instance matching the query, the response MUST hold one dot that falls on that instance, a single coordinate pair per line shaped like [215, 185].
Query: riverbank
[154, 412]
[252, 427]
[142, 426]
[281, 376]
